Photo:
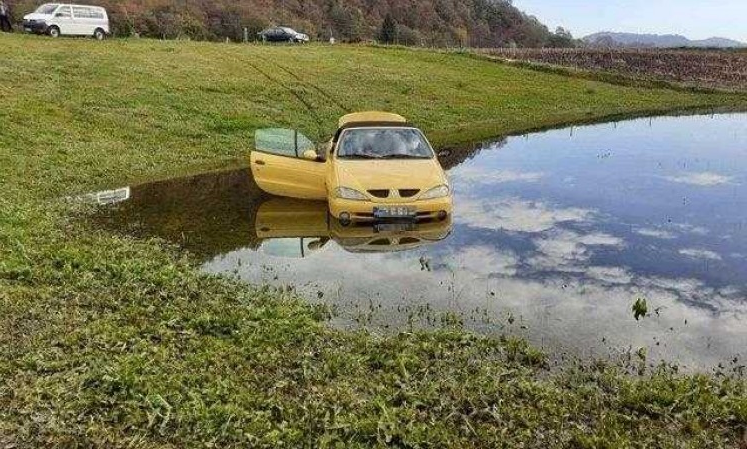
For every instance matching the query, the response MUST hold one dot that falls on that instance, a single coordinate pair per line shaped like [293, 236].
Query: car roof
[77, 5]
[370, 117]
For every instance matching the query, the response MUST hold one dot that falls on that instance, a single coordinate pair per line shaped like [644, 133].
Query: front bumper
[363, 210]
[35, 26]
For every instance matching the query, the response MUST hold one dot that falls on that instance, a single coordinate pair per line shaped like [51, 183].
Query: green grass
[108, 341]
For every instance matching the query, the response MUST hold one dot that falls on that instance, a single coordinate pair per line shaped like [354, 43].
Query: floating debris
[107, 197]
[425, 264]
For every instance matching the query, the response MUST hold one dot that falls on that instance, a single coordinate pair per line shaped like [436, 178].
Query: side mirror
[310, 155]
[59, 14]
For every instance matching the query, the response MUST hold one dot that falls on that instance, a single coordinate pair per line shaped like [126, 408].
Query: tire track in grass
[307, 104]
[321, 91]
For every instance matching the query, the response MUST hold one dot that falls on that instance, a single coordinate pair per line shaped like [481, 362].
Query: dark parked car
[282, 34]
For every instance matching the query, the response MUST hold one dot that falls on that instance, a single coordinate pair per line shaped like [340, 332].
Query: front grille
[379, 193]
[408, 193]
[35, 25]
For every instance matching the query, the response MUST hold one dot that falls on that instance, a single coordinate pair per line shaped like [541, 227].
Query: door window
[82, 12]
[282, 142]
[64, 12]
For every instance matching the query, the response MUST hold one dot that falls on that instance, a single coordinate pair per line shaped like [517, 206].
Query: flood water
[555, 236]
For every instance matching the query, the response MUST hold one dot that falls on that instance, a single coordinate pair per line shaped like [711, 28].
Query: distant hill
[475, 23]
[610, 39]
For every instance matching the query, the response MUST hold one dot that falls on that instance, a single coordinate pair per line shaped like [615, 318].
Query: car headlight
[441, 191]
[347, 193]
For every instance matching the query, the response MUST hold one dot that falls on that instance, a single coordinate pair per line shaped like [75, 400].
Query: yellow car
[376, 167]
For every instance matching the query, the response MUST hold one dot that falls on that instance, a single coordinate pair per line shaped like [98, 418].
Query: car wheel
[291, 41]
[54, 31]
[99, 34]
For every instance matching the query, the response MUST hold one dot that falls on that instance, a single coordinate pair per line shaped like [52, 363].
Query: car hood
[37, 16]
[389, 174]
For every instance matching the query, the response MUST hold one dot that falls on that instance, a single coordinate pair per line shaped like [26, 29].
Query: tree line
[473, 23]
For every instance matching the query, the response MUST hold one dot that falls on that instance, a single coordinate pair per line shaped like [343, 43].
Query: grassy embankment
[113, 342]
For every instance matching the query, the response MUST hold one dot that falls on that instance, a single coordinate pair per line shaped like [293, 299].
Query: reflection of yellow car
[376, 167]
[393, 237]
[289, 227]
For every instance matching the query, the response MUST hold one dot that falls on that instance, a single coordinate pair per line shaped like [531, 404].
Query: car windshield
[47, 8]
[384, 143]
[288, 30]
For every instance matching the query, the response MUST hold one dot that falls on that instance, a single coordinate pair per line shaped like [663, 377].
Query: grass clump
[109, 341]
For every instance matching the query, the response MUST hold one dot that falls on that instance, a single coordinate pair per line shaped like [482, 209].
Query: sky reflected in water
[554, 237]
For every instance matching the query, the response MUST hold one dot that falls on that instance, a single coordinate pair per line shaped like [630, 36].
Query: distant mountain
[609, 39]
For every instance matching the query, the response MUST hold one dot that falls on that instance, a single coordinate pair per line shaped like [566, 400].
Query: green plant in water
[640, 309]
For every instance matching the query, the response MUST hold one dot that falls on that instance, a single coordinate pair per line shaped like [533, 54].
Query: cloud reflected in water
[477, 175]
[704, 179]
[704, 254]
[564, 250]
[655, 233]
[515, 214]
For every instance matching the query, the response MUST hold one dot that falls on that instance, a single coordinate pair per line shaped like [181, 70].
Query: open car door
[279, 166]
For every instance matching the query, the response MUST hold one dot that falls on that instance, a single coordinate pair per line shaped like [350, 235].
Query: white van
[62, 19]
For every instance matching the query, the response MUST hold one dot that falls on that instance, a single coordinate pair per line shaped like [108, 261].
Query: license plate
[394, 212]
[27, 29]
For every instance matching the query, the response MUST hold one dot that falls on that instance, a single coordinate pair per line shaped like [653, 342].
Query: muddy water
[554, 237]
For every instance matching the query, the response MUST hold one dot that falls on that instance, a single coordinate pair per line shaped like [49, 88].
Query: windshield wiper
[359, 156]
[403, 156]
[386, 156]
